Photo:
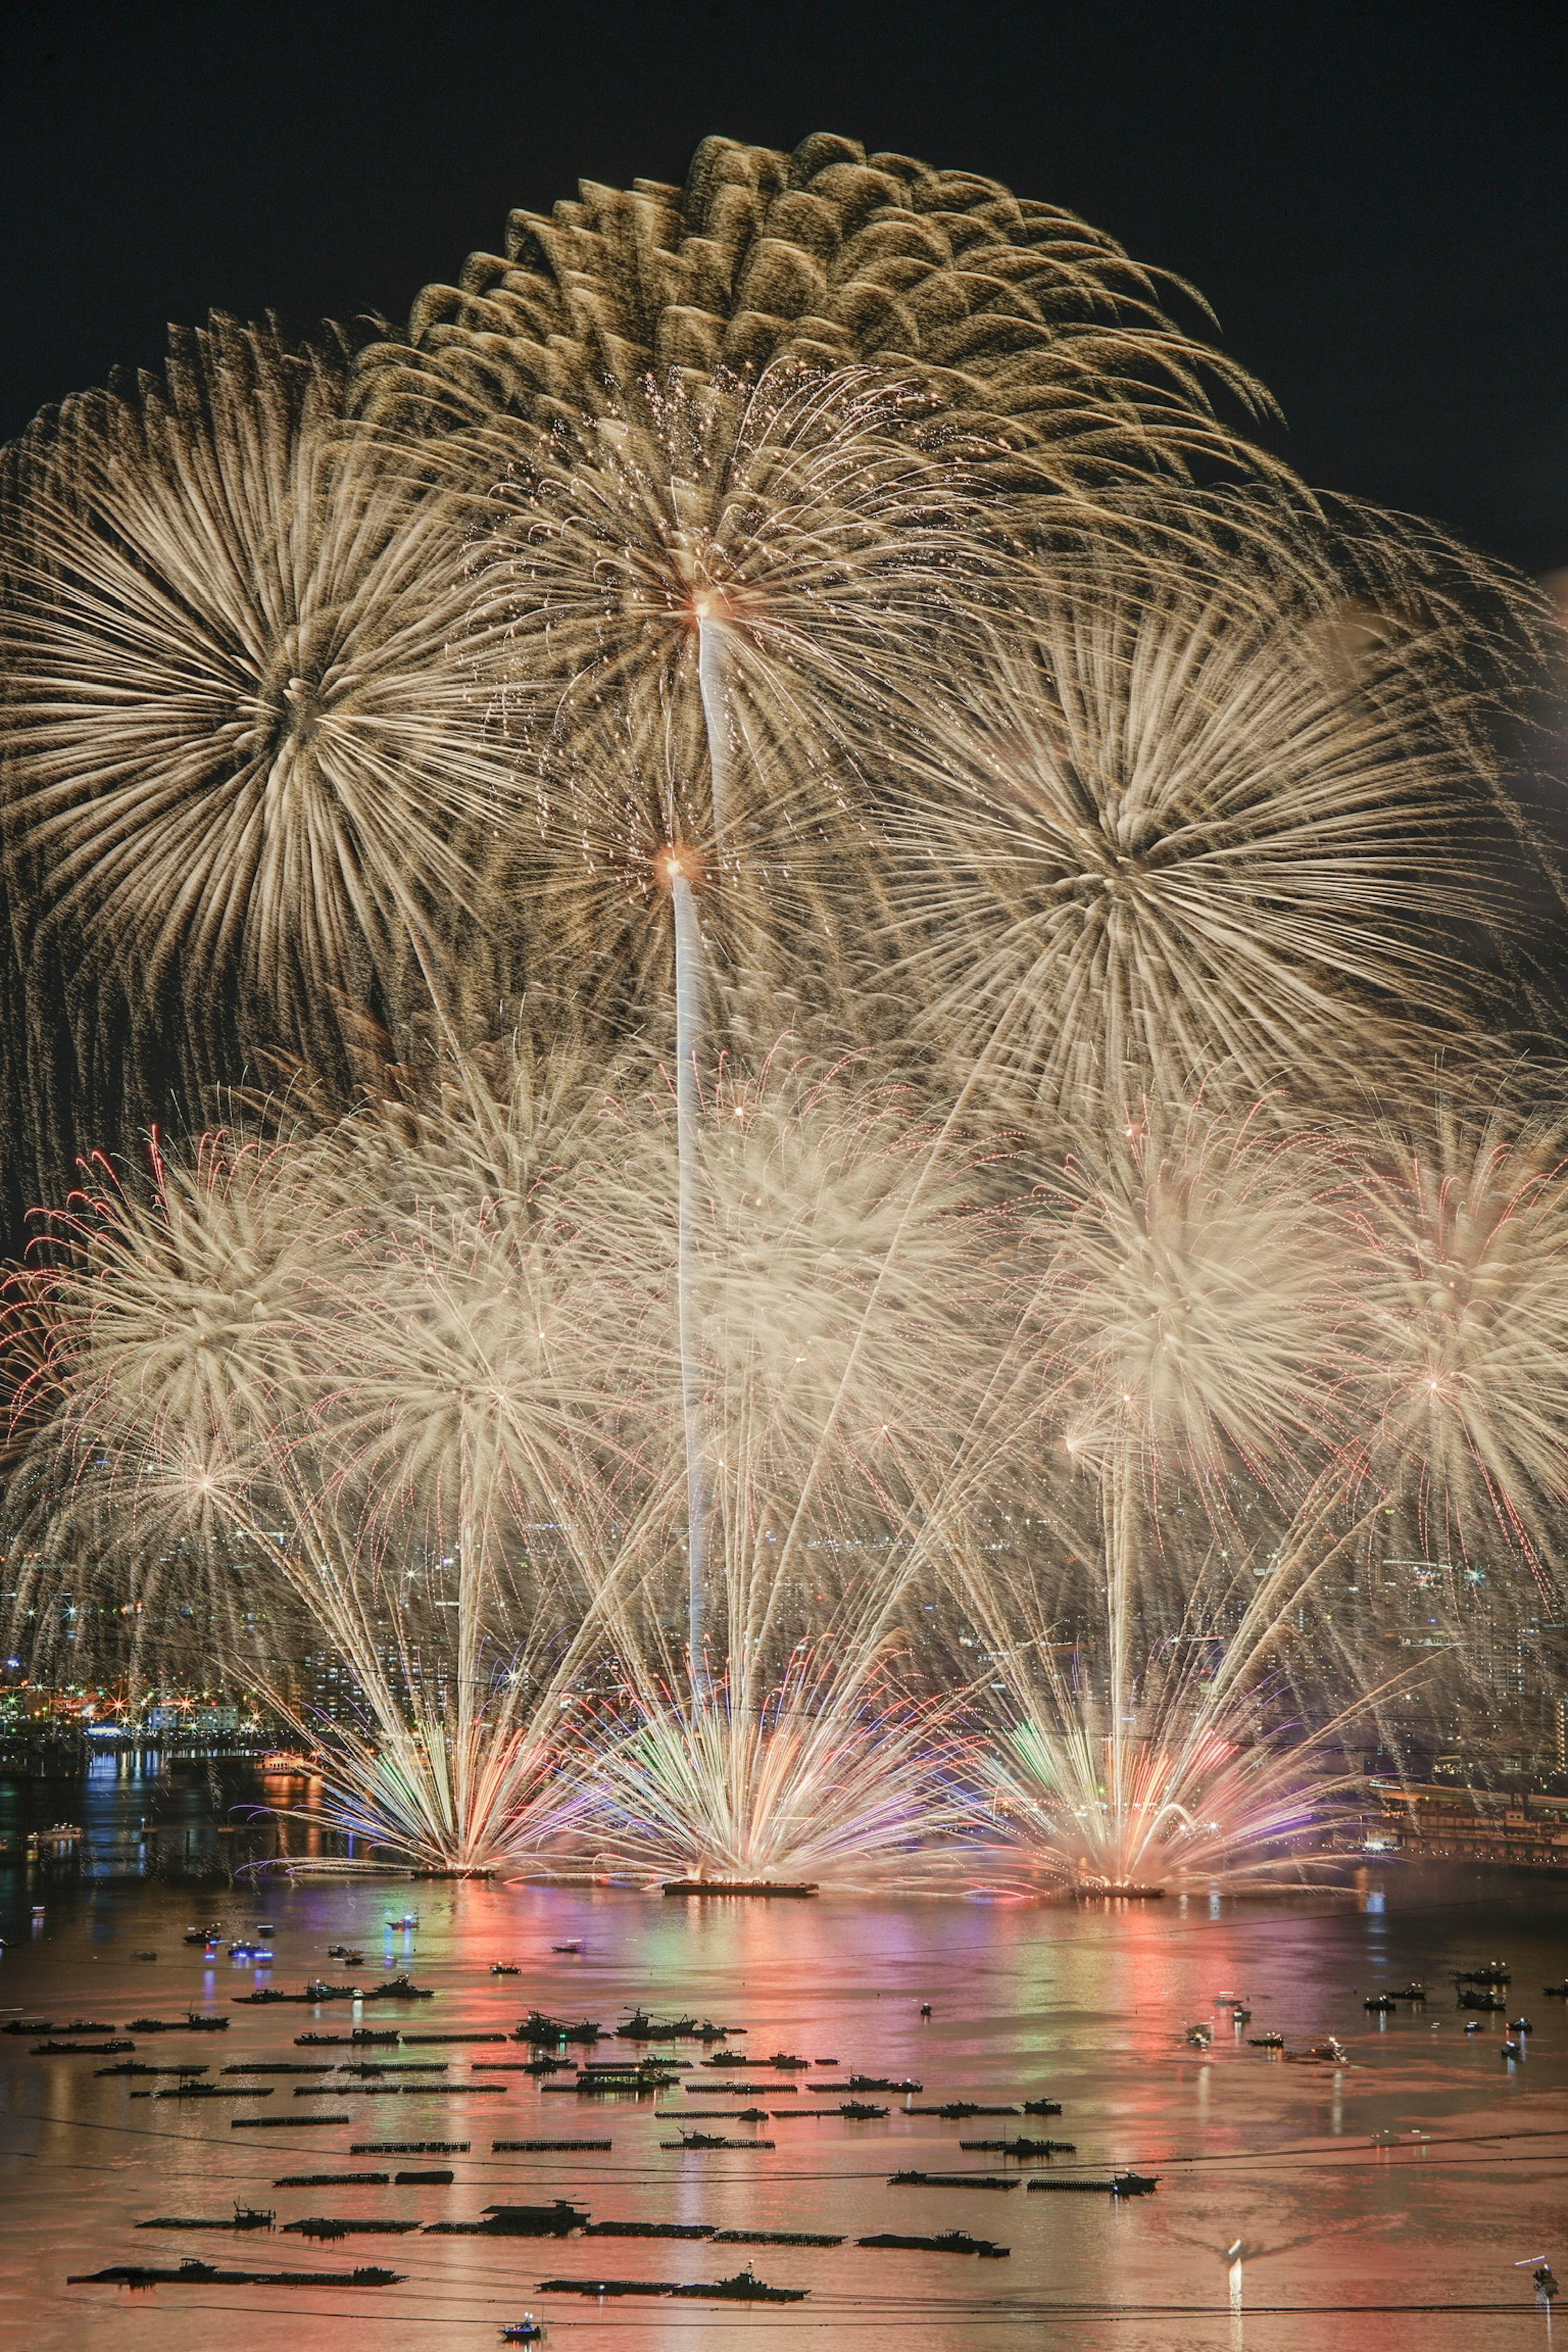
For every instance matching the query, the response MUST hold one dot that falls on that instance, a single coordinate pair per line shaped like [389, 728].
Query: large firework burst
[1030, 327]
[1164, 837]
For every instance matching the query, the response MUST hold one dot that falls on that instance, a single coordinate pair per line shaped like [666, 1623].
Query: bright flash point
[676, 862]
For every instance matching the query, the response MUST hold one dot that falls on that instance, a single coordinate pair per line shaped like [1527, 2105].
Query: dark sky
[1374, 198]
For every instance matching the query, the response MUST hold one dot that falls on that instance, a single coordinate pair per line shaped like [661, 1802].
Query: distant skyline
[1375, 200]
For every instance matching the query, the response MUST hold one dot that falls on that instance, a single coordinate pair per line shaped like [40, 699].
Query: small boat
[946, 2241]
[925, 2009]
[266, 1927]
[1493, 1972]
[1380, 2001]
[1545, 2281]
[355, 1959]
[1519, 2025]
[1266, 2042]
[538, 2028]
[561, 2220]
[745, 2286]
[526, 2330]
[878, 2083]
[1042, 2107]
[505, 1968]
[1556, 1991]
[1200, 2036]
[143, 1956]
[641, 2027]
[406, 1919]
[1228, 2000]
[854, 2109]
[1328, 2051]
[204, 1935]
[565, 1948]
[1513, 2050]
[1468, 1998]
[1474, 2026]
[400, 1988]
[1241, 2015]
[1414, 1990]
[1129, 1890]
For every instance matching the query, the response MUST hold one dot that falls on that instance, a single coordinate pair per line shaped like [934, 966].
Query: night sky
[1374, 198]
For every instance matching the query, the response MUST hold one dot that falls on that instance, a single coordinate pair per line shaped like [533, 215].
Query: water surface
[1087, 2005]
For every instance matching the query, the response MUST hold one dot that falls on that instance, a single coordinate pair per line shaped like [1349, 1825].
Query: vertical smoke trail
[712, 665]
[688, 1027]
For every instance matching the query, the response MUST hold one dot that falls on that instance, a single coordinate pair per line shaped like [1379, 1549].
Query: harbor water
[1399, 2198]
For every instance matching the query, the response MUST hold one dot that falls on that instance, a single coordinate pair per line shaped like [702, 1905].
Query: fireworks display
[768, 976]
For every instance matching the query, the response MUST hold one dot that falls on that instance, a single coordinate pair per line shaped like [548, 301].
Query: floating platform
[243, 2216]
[199, 2273]
[1121, 2184]
[774, 2237]
[719, 1888]
[362, 2038]
[1017, 2148]
[268, 2067]
[335, 2180]
[946, 2241]
[282, 2123]
[958, 2111]
[194, 2022]
[546, 2147]
[69, 2025]
[79, 2049]
[708, 2142]
[650, 2230]
[741, 2288]
[332, 2225]
[1129, 1890]
[140, 2066]
[222, 2091]
[953, 2180]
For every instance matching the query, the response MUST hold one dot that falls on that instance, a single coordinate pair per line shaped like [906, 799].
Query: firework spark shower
[787, 1084]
